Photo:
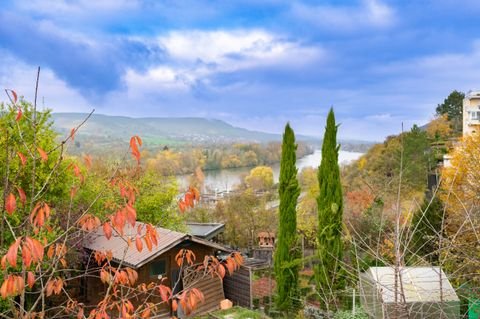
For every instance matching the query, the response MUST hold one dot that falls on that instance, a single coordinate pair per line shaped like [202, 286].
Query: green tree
[287, 251]
[158, 203]
[19, 138]
[453, 107]
[426, 224]
[330, 211]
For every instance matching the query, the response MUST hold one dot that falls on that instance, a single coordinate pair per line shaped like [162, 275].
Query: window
[158, 267]
[474, 115]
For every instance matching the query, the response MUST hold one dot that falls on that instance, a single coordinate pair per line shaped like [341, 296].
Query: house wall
[470, 103]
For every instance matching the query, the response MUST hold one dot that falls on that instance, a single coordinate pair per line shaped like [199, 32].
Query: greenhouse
[422, 292]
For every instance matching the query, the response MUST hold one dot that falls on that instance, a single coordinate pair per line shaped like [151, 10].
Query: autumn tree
[452, 107]
[287, 251]
[40, 235]
[260, 178]
[330, 214]
[245, 215]
[439, 128]
[460, 187]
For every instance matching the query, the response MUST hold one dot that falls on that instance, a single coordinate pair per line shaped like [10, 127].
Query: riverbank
[226, 179]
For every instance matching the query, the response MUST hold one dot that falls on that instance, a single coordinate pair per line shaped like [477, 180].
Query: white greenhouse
[423, 292]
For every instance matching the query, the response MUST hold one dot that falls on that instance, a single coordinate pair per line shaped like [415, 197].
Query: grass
[234, 313]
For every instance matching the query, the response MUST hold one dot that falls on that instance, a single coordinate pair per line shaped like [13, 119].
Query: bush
[347, 314]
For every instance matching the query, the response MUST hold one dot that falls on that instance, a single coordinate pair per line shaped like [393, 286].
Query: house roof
[167, 239]
[205, 230]
[420, 284]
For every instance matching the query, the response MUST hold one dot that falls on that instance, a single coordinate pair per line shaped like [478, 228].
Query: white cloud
[53, 92]
[195, 55]
[369, 13]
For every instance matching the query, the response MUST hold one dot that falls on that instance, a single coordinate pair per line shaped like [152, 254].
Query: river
[226, 179]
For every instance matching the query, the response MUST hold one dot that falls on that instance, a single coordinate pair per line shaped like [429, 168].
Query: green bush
[347, 314]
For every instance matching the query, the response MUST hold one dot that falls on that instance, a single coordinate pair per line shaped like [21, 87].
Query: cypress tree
[330, 211]
[287, 253]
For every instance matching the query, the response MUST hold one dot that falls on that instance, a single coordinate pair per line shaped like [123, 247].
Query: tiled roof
[167, 239]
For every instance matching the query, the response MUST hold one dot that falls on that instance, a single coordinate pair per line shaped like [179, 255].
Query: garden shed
[424, 292]
[155, 263]
[239, 287]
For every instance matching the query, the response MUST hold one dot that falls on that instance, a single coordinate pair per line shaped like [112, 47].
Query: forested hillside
[103, 132]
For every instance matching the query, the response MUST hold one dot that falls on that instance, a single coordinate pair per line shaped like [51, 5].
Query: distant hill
[104, 131]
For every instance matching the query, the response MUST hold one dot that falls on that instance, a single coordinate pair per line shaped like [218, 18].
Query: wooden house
[153, 265]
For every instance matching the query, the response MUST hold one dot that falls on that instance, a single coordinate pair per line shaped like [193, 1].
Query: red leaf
[14, 96]
[21, 194]
[22, 157]
[19, 115]
[42, 153]
[10, 204]
[72, 134]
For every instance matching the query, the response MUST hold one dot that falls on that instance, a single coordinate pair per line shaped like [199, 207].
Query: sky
[255, 64]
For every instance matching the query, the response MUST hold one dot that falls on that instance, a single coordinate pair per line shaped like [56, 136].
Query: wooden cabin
[153, 265]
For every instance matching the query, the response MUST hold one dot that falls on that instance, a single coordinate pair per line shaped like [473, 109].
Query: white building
[471, 113]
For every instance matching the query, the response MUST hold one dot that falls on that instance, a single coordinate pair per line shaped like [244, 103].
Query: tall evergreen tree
[330, 211]
[287, 252]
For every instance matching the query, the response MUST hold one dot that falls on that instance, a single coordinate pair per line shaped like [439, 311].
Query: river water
[226, 179]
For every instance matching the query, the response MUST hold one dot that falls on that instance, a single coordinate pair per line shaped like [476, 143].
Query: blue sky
[255, 64]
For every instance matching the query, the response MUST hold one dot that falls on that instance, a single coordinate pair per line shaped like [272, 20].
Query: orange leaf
[22, 157]
[19, 115]
[181, 206]
[107, 230]
[12, 252]
[30, 279]
[174, 305]
[73, 191]
[135, 141]
[72, 134]
[221, 271]
[165, 292]
[10, 204]
[198, 294]
[88, 160]
[42, 153]
[131, 215]
[138, 243]
[21, 194]
[80, 314]
[148, 242]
